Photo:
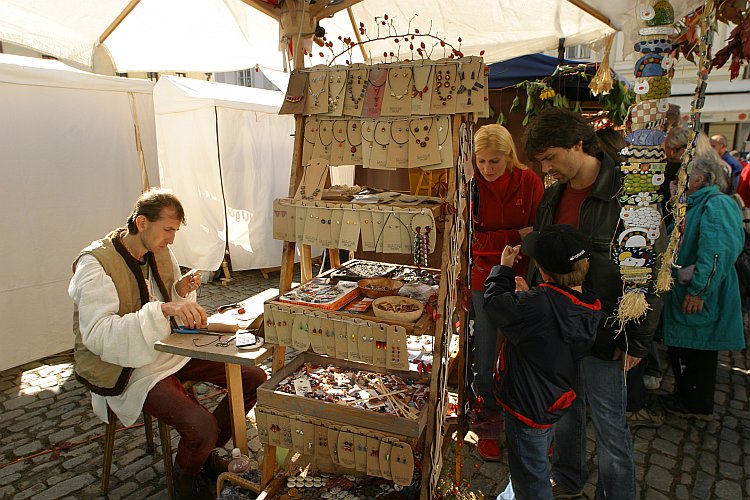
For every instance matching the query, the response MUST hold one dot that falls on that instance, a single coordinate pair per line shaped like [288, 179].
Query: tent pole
[592, 12]
[356, 33]
[138, 145]
[125, 12]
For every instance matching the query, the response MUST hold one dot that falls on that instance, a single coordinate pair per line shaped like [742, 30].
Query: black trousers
[636, 387]
[695, 377]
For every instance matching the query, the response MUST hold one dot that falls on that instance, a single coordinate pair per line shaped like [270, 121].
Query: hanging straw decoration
[602, 81]
[645, 160]
[665, 281]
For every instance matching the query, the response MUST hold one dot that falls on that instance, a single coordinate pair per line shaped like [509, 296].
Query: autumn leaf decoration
[738, 49]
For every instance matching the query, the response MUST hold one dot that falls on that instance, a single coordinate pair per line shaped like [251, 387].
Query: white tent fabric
[70, 174]
[227, 154]
[223, 35]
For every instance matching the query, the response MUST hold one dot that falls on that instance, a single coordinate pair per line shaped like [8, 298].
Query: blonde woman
[506, 195]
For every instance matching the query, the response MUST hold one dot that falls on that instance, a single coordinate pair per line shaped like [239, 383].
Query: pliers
[227, 307]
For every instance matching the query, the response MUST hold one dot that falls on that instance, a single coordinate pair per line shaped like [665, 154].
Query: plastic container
[239, 464]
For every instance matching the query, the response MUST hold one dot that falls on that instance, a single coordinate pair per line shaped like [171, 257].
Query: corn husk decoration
[602, 81]
[645, 161]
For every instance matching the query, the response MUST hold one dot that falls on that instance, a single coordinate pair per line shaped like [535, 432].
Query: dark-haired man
[586, 197]
[126, 287]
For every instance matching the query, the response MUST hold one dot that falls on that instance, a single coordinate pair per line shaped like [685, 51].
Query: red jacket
[743, 186]
[504, 206]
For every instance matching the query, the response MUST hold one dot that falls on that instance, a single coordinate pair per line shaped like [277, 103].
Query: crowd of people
[544, 288]
[559, 348]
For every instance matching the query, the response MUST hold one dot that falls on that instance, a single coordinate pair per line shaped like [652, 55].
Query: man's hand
[189, 282]
[521, 285]
[692, 304]
[628, 360]
[509, 256]
[188, 314]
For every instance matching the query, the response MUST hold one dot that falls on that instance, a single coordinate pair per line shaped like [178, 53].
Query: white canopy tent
[71, 171]
[222, 35]
[226, 153]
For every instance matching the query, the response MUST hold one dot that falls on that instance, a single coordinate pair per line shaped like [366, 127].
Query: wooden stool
[166, 448]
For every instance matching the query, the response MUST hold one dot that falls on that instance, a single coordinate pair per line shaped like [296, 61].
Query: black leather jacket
[600, 221]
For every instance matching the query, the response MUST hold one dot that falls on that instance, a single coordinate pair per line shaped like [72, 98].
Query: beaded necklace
[443, 83]
[352, 129]
[419, 127]
[356, 92]
[399, 77]
[316, 95]
[336, 88]
[417, 89]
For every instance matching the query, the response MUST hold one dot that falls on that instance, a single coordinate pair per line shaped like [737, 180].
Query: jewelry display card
[336, 216]
[397, 94]
[360, 452]
[333, 444]
[291, 221]
[269, 329]
[329, 336]
[470, 91]
[349, 237]
[280, 225]
[298, 431]
[445, 143]
[284, 326]
[384, 459]
[316, 100]
[376, 79]
[391, 233]
[379, 153]
[353, 149]
[336, 90]
[322, 149]
[313, 180]
[300, 336]
[324, 228]
[423, 144]
[315, 333]
[286, 432]
[342, 348]
[398, 147]
[444, 90]
[300, 216]
[352, 347]
[421, 91]
[404, 216]
[378, 228]
[274, 430]
[367, 231]
[312, 223]
[321, 444]
[367, 131]
[346, 447]
[309, 436]
[356, 88]
[310, 138]
[373, 456]
[365, 342]
[294, 100]
[261, 422]
[339, 146]
[402, 463]
[380, 336]
[397, 356]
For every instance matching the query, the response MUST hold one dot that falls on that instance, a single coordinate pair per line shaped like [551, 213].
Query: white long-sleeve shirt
[124, 340]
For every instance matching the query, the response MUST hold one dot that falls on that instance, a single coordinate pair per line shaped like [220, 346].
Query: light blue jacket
[712, 240]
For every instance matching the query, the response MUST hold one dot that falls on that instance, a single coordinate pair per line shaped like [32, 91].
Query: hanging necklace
[311, 130]
[419, 127]
[380, 129]
[443, 128]
[368, 133]
[400, 78]
[417, 89]
[316, 94]
[400, 133]
[339, 133]
[356, 86]
[377, 79]
[352, 128]
[443, 82]
[336, 88]
[420, 249]
[326, 132]
[475, 84]
[303, 186]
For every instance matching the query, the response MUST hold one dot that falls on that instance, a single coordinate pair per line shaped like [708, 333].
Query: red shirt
[569, 209]
[505, 206]
[743, 185]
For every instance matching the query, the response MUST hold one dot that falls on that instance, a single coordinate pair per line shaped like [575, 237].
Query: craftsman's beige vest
[99, 376]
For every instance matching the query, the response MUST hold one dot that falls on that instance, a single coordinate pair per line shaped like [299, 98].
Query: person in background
[586, 197]
[505, 198]
[127, 289]
[547, 329]
[672, 118]
[719, 143]
[702, 312]
[611, 142]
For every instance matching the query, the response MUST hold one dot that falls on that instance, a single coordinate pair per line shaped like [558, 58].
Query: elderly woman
[702, 313]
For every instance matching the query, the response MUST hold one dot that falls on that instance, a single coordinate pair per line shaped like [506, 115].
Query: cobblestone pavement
[44, 410]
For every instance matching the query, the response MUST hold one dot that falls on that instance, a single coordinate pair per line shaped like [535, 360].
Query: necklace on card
[399, 81]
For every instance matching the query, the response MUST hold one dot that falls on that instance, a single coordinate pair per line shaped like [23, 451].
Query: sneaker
[216, 464]
[676, 407]
[559, 492]
[645, 417]
[489, 450]
[652, 382]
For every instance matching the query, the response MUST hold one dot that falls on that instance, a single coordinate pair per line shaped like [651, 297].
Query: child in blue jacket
[547, 329]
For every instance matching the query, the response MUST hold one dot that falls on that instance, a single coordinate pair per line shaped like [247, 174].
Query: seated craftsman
[126, 288]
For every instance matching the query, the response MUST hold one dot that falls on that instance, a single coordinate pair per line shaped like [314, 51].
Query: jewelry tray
[348, 270]
[344, 415]
[342, 298]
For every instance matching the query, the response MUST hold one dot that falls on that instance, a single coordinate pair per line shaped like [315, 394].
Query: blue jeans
[528, 449]
[602, 383]
[485, 341]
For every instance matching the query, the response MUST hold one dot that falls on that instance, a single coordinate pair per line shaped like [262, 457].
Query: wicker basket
[397, 303]
[379, 287]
